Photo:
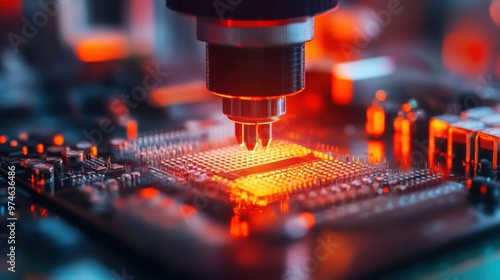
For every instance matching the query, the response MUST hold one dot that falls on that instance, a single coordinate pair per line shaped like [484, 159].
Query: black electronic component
[42, 173]
[485, 168]
[73, 159]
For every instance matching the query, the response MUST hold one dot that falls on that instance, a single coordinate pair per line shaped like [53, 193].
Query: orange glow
[335, 35]
[132, 129]
[93, 151]
[284, 206]
[402, 149]
[13, 143]
[238, 228]
[406, 107]
[39, 148]
[406, 127]
[467, 52]
[341, 25]
[376, 150]
[23, 137]
[25, 150]
[381, 95]
[186, 93]
[495, 11]
[437, 129]
[149, 192]
[102, 47]
[402, 125]
[313, 51]
[308, 219]
[313, 102]
[58, 139]
[375, 121]
[187, 211]
[342, 90]
[3, 139]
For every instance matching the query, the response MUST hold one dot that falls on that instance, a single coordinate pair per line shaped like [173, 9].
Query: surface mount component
[255, 57]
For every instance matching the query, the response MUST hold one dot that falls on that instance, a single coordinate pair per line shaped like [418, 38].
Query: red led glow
[483, 189]
[149, 192]
[467, 52]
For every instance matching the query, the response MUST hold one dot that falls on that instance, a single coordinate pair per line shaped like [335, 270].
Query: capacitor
[85, 147]
[116, 144]
[73, 159]
[57, 163]
[56, 151]
[42, 173]
[28, 164]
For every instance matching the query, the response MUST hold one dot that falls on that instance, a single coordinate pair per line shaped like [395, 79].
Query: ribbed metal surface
[251, 9]
[293, 33]
[255, 72]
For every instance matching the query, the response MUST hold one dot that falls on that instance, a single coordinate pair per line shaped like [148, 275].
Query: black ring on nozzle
[255, 72]
[252, 9]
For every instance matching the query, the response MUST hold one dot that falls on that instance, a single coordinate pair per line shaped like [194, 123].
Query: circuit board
[145, 194]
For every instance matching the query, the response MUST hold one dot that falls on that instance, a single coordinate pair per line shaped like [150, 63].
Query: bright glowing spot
[406, 107]
[132, 129]
[376, 151]
[13, 143]
[103, 47]
[179, 94]
[3, 139]
[58, 140]
[149, 192]
[308, 219]
[467, 52]
[39, 148]
[93, 151]
[375, 121]
[25, 150]
[342, 90]
[313, 102]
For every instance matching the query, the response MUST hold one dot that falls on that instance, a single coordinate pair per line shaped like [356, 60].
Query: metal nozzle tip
[238, 132]
[265, 142]
[265, 134]
[251, 146]
[250, 136]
